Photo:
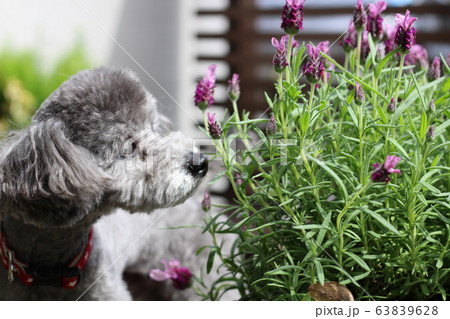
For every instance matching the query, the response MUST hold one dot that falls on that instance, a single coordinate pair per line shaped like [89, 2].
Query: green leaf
[304, 122]
[423, 125]
[399, 148]
[383, 62]
[333, 174]
[383, 222]
[217, 177]
[382, 114]
[439, 263]
[319, 271]
[358, 260]
[210, 262]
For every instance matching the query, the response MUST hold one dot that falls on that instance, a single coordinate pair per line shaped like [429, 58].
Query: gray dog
[96, 151]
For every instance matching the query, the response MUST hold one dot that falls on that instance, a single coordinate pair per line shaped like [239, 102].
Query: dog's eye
[133, 147]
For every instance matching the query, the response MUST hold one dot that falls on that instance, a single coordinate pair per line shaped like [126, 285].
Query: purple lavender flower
[405, 36]
[381, 172]
[213, 127]
[238, 178]
[279, 60]
[206, 202]
[391, 106]
[349, 41]
[365, 47]
[434, 72]
[292, 18]
[271, 127]
[432, 106]
[359, 94]
[375, 21]
[359, 17]
[180, 276]
[390, 38]
[417, 53]
[234, 90]
[430, 133]
[205, 89]
[313, 68]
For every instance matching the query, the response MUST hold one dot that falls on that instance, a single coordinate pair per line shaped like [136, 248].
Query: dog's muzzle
[197, 164]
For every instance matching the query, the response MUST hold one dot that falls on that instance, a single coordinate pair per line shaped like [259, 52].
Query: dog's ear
[45, 179]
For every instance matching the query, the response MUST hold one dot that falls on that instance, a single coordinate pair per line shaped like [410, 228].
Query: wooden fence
[250, 54]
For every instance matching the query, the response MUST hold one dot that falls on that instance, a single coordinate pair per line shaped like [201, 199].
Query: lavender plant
[348, 181]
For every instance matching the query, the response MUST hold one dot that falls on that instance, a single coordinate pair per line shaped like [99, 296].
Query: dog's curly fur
[96, 151]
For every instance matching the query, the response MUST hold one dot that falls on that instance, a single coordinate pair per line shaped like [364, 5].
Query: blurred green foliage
[24, 85]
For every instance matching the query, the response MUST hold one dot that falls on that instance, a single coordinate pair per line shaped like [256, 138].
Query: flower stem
[358, 53]
[399, 75]
[288, 58]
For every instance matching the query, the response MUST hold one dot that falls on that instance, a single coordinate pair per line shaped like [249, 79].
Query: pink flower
[359, 16]
[279, 60]
[180, 276]
[375, 21]
[292, 18]
[205, 89]
[234, 90]
[271, 127]
[417, 53]
[405, 36]
[349, 41]
[434, 72]
[238, 179]
[206, 202]
[313, 69]
[390, 38]
[213, 127]
[381, 172]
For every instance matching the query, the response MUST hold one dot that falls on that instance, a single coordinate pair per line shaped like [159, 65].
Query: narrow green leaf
[358, 260]
[423, 125]
[383, 222]
[383, 62]
[217, 177]
[319, 271]
[210, 262]
[399, 148]
[333, 174]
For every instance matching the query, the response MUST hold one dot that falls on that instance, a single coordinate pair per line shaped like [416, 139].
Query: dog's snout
[197, 164]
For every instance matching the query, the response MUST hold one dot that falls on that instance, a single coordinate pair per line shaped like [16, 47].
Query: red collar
[67, 277]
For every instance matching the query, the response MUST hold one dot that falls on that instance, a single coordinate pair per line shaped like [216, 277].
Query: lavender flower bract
[292, 18]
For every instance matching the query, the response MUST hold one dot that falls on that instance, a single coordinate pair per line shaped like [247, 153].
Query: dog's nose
[197, 164]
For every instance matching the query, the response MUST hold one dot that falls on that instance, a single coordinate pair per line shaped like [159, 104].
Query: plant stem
[347, 206]
[288, 58]
[358, 53]
[399, 75]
